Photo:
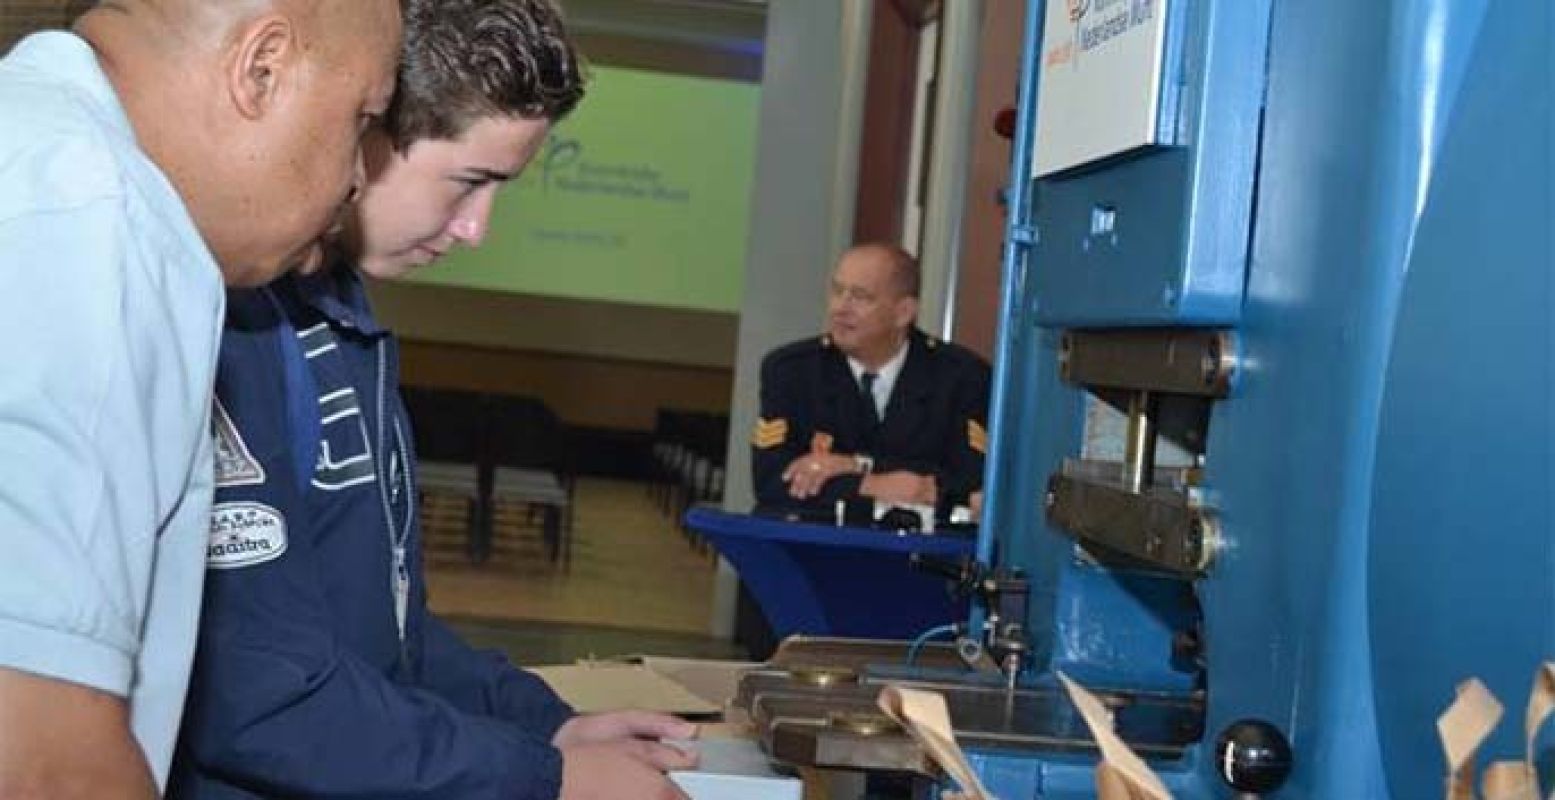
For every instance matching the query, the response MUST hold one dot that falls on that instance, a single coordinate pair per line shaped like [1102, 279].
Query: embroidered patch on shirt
[244, 534]
[235, 465]
[345, 457]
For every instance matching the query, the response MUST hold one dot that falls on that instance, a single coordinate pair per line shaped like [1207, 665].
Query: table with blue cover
[837, 581]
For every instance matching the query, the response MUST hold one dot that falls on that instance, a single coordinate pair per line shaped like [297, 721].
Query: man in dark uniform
[874, 408]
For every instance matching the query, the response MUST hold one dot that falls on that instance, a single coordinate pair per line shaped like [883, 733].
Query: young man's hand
[616, 726]
[632, 768]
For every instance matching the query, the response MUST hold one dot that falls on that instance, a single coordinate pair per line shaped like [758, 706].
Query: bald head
[254, 110]
[214, 22]
[899, 264]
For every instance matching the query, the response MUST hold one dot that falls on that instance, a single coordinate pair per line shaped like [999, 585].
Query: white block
[711, 786]
[734, 769]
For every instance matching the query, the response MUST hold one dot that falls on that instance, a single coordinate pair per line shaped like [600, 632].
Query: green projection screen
[641, 196]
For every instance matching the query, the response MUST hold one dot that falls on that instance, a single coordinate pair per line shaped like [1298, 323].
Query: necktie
[867, 395]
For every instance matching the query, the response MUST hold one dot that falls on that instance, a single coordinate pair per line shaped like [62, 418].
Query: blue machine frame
[1383, 471]
[1175, 245]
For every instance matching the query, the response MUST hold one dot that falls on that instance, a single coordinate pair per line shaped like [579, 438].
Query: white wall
[800, 221]
[802, 206]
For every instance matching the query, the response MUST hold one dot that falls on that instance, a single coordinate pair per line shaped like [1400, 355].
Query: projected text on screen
[641, 196]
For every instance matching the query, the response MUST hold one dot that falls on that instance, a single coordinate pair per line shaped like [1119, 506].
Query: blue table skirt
[826, 580]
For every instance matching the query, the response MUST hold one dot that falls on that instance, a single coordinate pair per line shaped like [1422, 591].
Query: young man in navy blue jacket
[320, 672]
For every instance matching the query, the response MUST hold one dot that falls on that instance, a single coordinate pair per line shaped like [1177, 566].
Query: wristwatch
[863, 464]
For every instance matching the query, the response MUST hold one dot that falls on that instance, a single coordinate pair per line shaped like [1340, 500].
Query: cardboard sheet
[595, 686]
[1122, 775]
[717, 682]
[730, 765]
[926, 719]
[1471, 719]
[1466, 724]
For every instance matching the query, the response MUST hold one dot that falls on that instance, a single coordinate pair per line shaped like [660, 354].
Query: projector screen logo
[560, 154]
[565, 168]
[1095, 23]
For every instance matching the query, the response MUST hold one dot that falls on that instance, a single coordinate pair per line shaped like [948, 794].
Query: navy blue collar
[337, 293]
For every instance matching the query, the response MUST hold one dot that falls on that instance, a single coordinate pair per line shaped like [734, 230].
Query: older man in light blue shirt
[112, 313]
[167, 147]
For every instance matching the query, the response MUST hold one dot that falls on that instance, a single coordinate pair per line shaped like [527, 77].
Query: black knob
[1253, 756]
[1187, 650]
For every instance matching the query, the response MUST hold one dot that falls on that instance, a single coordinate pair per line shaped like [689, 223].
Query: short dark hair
[467, 60]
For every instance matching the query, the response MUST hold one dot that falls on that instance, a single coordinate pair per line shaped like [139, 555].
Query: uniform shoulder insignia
[769, 433]
[235, 464]
[976, 436]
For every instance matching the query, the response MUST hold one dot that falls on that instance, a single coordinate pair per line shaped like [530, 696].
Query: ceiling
[729, 26]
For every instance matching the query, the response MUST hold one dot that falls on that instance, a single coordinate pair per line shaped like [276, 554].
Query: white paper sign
[1100, 87]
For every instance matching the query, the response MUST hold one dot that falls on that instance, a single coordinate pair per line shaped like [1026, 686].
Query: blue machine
[1341, 223]
[1273, 424]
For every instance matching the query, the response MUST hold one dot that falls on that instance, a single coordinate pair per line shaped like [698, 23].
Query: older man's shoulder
[951, 355]
[801, 351]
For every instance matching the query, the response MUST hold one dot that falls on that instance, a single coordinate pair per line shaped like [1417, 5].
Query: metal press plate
[1158, 528]
[857, 654]
[1191, 361]
[804, 729]
[808, 724]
